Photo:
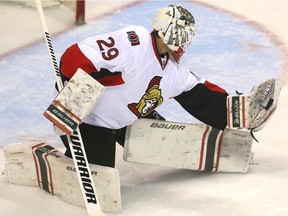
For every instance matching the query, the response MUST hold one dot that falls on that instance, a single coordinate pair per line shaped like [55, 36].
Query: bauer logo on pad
[74, 102]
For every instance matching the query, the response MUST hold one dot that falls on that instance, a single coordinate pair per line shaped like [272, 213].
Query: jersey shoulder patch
[136, 35]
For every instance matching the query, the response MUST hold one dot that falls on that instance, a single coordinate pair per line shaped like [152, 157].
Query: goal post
[80, 12]
[76, 6]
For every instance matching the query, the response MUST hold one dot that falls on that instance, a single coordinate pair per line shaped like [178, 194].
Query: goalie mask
[176, 27]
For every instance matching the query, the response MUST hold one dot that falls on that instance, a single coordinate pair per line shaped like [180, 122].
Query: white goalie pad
[74, 102]
[253, 110]
[37, 164]
[188, 146]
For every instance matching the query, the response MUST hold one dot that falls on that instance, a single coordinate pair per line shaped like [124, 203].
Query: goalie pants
[100, 142]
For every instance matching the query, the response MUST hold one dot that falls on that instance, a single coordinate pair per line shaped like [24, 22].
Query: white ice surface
[235, 52]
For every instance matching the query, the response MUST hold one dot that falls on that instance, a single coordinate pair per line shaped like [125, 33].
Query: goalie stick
[75, 140]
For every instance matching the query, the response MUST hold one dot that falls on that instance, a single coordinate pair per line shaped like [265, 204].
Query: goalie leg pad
[74, 102]
[188, 146]
[38, 164]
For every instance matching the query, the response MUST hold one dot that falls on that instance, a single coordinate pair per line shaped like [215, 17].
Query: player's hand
[58, 131]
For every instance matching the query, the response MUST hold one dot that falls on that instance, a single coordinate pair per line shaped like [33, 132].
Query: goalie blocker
[74, 102]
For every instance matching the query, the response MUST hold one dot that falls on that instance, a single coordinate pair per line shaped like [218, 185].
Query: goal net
[77, 6]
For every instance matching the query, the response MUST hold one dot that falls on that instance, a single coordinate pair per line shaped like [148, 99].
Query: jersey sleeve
[206, 102]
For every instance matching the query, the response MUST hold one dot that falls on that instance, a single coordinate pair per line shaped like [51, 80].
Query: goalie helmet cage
[77, 6]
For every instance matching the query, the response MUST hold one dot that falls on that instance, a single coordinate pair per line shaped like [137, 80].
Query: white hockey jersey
[137, 79]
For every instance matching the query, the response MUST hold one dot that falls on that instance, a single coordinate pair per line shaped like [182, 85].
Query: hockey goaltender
[133, 71]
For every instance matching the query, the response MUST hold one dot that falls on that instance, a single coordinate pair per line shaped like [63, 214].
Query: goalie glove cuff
[253, 110]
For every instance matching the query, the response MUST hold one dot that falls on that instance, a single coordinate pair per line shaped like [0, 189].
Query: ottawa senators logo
[133, 38]
[150, 100]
